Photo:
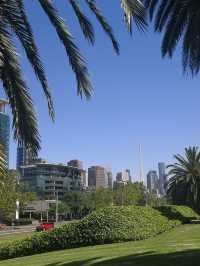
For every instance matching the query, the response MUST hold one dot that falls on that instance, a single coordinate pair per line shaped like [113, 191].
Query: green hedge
[109, 225]
[174, 212]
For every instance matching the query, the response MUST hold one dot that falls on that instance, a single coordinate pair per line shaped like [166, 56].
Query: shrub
[109, 225]
[174, 212]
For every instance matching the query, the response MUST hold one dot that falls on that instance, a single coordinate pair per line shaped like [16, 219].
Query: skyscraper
[152, 181]
[97, 177]
[4, 128]
[129, 175]
[24, 157]
[110, 179]
[162, 178]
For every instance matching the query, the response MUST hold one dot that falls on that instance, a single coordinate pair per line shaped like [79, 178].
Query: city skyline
[134, 100]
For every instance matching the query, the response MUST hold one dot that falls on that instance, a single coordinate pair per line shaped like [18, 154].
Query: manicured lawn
[180, 247]
[8, 238]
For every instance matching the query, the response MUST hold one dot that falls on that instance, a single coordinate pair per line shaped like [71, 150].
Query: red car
[44, 227]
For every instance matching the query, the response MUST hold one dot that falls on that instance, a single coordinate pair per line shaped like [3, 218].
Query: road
[10, 230]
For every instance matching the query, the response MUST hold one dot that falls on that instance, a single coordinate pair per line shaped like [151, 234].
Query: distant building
[162, 178]
[122, 177]
[110, 179]
[76, 163]
[97, 177]
[129, 175]
[152, 182]
[4, 128]
[48, 180]
[24, 157]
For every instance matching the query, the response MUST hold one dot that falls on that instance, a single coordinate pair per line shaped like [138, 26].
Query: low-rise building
[49, 180]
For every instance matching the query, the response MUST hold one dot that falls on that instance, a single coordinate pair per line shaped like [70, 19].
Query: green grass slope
[180, 246]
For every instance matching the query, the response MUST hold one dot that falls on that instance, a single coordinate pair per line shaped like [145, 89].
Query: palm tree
[178, 20]
[184, 182]
[14, 22]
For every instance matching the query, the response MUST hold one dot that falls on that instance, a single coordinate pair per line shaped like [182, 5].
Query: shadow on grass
[182, 258]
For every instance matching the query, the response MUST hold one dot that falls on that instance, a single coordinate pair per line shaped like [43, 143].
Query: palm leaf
[104, 24]
[84, 22]
[134, 10]
[24, 119]
[76, 61]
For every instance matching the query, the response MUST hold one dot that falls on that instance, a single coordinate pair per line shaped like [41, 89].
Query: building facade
[97, 177]
[152, 182]
[110, 179]
[4, 128]
[129, 175]
[76, 163]
[122, 177]
[49, 180]
[24, 157]
[162, 178]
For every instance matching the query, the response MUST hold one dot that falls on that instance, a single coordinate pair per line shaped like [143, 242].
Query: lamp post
[56, 206]
[17, 210]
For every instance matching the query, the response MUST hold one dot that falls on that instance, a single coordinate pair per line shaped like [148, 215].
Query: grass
[18, 236]
[181, 246]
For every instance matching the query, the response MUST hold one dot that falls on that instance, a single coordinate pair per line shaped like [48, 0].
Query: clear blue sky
[138, 98]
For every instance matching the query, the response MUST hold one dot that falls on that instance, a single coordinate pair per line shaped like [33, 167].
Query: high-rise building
[110, 179]
[76, 163]
[97, 177]
[24, 157]
[152, 181]
[129, 175]
[4, 128]
[122, 177]
[162, 177]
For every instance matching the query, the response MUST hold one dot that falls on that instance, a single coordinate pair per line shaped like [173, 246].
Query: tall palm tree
[178, 20]
[184, 182]
[14, 22]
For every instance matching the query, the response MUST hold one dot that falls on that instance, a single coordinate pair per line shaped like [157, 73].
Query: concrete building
[129, 175]
[110, 179]
[76, 163]
[4, 128]
[162, 178]
[97, 177]
[122, 177]
[48, 179]
[24, 157]
[152, 181]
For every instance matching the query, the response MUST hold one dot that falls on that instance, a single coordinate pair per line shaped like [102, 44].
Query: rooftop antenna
[141, 164]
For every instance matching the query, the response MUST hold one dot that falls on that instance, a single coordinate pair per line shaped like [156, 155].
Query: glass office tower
[4, 128]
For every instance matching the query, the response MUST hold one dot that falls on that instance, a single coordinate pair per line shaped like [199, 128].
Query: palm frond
[84, 22]
[134, 10]
[104, 24]
[77, 62]
[13, 11]
[3, 161]
[24, 119]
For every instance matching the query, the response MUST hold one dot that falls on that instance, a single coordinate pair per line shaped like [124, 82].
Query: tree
[14, 22]
[184, 183]
[129, 194]
[178, 20]
[10, 191]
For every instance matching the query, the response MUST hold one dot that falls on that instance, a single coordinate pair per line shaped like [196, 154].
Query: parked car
[44, 227]
[2, 226]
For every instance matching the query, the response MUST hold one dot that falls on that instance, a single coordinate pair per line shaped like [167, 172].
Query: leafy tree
[100, 198]
[184, 183]
[130, 194]
[178, 21]
[10, 191]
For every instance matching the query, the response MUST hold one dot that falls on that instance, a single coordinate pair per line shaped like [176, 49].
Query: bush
[174, 212]
[109, 225]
